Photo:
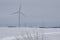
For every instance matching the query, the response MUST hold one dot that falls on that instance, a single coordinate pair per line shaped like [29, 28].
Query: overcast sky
[47, 11]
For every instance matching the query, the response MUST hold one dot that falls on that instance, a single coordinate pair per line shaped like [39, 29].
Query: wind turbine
[19, 12]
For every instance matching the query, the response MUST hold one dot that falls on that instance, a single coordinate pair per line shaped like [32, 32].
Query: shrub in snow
[26, 35]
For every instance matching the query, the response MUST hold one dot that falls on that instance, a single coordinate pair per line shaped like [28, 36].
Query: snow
[29, 34]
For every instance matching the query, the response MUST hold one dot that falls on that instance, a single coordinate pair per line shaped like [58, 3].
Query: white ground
[29, 34]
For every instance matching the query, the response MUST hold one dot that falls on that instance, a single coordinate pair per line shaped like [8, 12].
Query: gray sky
[47, 11]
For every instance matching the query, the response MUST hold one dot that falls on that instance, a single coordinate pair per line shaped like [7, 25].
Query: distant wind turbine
[19, 12]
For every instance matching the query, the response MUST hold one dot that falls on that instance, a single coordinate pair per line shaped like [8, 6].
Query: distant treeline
[49, 27]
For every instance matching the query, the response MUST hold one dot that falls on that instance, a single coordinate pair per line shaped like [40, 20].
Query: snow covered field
[29, 34]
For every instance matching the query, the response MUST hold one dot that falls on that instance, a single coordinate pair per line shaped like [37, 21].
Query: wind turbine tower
[19, 15]
[19, 12]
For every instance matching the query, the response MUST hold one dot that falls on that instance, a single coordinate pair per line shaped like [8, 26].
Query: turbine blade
[22, 13]
[20, 7]
[15, 12]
